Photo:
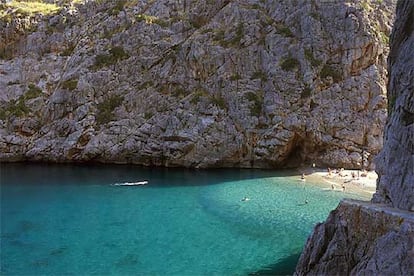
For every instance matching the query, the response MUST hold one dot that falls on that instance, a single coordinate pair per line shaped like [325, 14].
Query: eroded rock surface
[361, 238]
[241, 83]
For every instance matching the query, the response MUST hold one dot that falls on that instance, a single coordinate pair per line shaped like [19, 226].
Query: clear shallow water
[68, 219]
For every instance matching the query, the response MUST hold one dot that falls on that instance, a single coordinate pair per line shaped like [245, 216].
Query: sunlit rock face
[197, 83]
[377, 238]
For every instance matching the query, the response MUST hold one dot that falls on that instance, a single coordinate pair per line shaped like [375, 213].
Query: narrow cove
[71, 219]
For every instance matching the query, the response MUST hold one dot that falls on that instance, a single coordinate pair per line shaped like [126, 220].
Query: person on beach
[332, 187]
[343, 187]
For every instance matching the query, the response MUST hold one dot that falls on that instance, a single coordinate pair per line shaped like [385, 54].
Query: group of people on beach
[339, 172]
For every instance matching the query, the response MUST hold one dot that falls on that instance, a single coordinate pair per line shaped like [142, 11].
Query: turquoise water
[70, 219]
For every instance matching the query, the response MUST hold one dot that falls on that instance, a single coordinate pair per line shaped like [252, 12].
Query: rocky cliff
[243, 83]
[361, 238]
[396, 161]
[378, 238]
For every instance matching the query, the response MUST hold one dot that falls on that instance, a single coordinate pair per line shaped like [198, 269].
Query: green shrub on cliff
[116, 54]
[70, 84]
[312, 60]
[179, 92]
[198, 21]
[257, 103]
[29, 8]
[119, 6]
[3, 114]
[150, 19]
[289, 63]
[199, 93]
[329, 70]
[384, 38]
[306, 92]
[284, 30]
[239, 33]
[4, 15]
[106, 109]
[218, 101]
[235, 77]
[259, 75]
[6, 53]
[220, 38]
[391, 103]
[16, 108]
[32, 92]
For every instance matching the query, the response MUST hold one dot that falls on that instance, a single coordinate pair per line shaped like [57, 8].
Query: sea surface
[72, 219]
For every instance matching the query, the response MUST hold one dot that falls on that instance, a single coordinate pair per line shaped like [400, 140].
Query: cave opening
[295, 156]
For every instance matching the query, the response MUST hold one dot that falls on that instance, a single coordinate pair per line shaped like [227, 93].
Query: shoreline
[364, 185]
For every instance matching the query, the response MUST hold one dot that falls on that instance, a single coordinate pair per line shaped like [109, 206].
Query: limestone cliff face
[378, 238]
[196, 83]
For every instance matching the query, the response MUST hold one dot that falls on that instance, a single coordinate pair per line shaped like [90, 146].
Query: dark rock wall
[395, 163]
[377, 238]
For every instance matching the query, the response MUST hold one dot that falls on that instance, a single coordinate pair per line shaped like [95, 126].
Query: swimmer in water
[306, 201]
[303, 177]
[245, 198]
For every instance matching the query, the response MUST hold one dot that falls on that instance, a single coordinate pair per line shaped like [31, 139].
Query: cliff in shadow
[243, 83]
[377, 238]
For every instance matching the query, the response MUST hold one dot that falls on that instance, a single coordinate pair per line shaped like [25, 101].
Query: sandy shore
[363, 183]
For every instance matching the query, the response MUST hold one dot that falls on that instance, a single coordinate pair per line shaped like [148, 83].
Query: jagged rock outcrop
[196, 83]
[361, 238]
[378, 238]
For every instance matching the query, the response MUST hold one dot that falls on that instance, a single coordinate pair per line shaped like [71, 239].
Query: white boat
[132, 183]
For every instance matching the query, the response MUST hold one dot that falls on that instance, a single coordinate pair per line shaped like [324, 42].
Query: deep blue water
[70, 219]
